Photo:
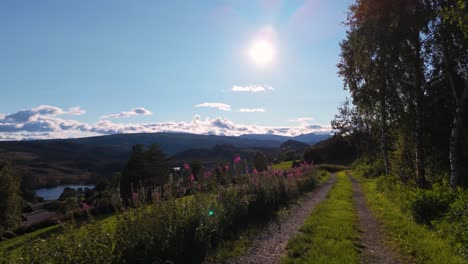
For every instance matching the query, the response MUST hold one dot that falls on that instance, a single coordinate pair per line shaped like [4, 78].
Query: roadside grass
[283, 165]
[329, 233]
[14, 243]
[238, 247]
[417, 241]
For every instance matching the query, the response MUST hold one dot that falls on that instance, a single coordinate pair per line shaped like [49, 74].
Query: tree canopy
[405, 64]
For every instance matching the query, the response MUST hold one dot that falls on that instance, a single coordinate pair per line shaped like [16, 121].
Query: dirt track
[270, 245]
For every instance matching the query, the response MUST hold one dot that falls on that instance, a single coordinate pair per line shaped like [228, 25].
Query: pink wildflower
[191, 179]
[237, 159]
[85, 206]
[186, 166]
[207, 175]
[255, 172]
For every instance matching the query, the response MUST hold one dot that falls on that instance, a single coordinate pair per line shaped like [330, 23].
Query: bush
[454, 224]
[428, 205]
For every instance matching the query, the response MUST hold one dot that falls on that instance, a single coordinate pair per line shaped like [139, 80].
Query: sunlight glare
[262, 52]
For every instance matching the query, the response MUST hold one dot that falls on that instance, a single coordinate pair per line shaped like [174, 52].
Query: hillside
[310, 138]
[82, 160]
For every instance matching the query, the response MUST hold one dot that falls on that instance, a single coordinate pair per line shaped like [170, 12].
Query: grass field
[415, 240]
[329, 233]
[283, 165]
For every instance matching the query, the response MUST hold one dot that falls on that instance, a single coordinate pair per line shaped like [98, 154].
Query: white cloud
[303, 120]
[134, 112]
[251, 88]
[219, 106]
[75, 111]
[43, 123]
[251, 110]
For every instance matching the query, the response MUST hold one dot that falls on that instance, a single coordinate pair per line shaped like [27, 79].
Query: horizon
[88, 68]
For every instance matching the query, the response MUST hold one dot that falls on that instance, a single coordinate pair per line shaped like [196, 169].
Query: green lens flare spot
[211, 213]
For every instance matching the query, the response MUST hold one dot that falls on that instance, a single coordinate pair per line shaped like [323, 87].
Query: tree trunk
[455, 139]
[457, 125]
[419, 100]
[383, 130]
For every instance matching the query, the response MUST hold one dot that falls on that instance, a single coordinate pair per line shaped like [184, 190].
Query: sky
[225, 67]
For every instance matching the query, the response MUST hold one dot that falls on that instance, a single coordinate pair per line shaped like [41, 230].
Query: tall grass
[388, 200]
[181, 230]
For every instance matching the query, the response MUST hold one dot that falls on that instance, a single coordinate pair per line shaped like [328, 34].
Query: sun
[262, 52]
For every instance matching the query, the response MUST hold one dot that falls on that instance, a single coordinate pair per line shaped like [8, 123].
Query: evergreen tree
[144, 169]
[10, 199]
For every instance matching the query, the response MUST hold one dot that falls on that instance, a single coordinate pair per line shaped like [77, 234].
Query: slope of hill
[83, 160]
[310, 138]
[293, 145]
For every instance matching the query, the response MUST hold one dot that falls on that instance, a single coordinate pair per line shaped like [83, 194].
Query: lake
[54, 193]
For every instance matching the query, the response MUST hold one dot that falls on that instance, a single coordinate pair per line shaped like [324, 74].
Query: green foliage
[404, 65]
[369, 169]
[332, 167]
[181, 230]
[328, 234]
[10, 199]
[395, 204]
[144, 169]
[335, 150]
[457, 14]
[454, 224]
[428, 205]
[260, 162]
[67, 193]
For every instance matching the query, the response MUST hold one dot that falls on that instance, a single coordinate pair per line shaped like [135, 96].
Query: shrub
[454, 224]
[428, 205]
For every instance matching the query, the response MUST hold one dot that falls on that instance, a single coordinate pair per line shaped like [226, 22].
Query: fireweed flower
[207, 175]
[186, 166]
[237, 159]
[85, 206]
[191, 179]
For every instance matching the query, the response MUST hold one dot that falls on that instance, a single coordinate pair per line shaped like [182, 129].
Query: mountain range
[79, 160]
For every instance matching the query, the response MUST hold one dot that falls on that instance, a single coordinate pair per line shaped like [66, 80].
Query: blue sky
[132, 66]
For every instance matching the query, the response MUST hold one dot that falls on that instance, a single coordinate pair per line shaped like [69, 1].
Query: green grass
[283, 165]
[417, 241]
[328, 234]
[14, 244]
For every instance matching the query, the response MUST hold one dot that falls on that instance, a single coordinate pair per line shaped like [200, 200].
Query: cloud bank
[134, 112]
[219, 106]
[45, 122]
[251, 88]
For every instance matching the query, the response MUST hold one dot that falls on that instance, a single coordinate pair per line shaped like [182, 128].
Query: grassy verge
[424, 245]
[328, 234]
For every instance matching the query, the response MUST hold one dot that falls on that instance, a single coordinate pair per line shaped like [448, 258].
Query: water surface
[54, 193]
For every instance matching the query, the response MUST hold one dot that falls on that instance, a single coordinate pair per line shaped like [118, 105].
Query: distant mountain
[310, 138]
[265, 137]
[173, 143]
[219, 153]
[293, 145]
[82, 160]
